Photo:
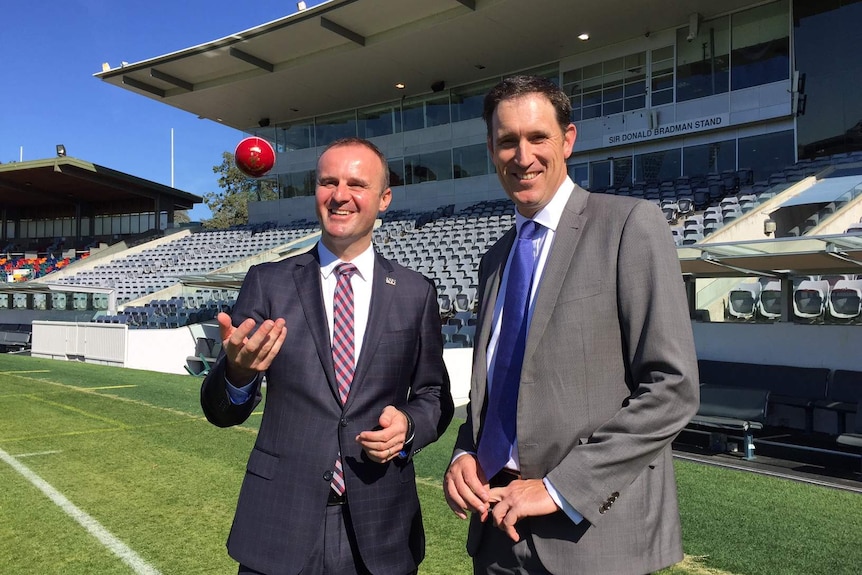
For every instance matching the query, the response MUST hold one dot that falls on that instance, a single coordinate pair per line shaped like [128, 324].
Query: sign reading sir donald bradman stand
[669, 129]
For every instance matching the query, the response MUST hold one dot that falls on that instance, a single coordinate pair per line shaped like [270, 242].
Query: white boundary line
[92, 526]
[34, 454]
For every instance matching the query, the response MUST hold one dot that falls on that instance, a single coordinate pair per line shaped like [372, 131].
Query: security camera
[690, 37]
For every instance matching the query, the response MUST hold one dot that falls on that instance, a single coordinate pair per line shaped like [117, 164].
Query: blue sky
[49, 51]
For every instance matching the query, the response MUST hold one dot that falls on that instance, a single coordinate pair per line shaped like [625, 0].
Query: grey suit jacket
[609, 379]
[282, 502]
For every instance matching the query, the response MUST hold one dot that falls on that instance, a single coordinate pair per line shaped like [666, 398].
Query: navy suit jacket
[282, 502]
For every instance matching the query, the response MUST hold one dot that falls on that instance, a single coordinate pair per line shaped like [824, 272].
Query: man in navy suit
[330, 486]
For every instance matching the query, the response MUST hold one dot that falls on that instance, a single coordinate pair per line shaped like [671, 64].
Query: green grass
[132, 449]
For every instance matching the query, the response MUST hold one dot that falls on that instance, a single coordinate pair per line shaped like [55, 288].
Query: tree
[182, 217]
[229, 205]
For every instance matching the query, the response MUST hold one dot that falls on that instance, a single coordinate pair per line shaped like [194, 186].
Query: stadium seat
[809, 299]
[845, 300]
[448, 331]
[770, 301]
[742, 301]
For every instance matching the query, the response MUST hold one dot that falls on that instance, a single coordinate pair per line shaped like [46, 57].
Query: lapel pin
[390, 281]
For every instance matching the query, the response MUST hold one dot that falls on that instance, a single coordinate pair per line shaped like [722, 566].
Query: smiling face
[529, 149]
[351, 191]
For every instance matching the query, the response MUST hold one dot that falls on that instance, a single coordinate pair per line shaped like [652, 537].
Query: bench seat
[735, 409]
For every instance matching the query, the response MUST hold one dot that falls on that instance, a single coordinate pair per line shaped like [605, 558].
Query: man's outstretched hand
[250, 351]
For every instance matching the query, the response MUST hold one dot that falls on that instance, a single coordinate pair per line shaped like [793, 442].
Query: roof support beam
[253, 60]
[143, 86]
[171, 80]
[342, 31]
[711, 259]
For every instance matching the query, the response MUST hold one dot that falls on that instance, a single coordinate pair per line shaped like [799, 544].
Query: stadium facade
[660, 90]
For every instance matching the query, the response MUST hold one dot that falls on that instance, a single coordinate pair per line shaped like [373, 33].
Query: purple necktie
[342, 348]
[499, 430]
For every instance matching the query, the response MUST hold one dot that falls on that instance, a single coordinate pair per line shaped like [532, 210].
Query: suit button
[327, 476]
[343, 422]
[602, 509]
[615, 494]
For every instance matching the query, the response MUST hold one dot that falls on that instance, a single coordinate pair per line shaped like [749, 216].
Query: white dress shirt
[361, 283]
[549, 218]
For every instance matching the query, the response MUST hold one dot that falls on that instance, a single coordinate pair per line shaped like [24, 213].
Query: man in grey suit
[352, 350]
[569, 470]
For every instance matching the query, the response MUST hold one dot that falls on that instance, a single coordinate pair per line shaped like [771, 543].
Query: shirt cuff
[570, 511]
[240, 395]
[458, 453]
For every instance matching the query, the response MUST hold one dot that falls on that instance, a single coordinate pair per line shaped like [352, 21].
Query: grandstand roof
[70, 181]
[350, 53]
[815, 255]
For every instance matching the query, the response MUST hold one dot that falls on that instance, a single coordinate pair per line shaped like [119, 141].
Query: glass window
[600, 175]
[470, 161]
[709, 158]
[428, 167]
[378, 121]
[661, 76]
[396, 172]
[437, 111]
[703, 62]
[327, 129]
[467, 101]
[295, 184]
[622, 171]
[767, 153]
[297, 137]
[549, 72]
[760, 45]
[580, 174]
[608, 87]
[425, 112]
[634, 81]
[658, 166]
[826, 50]
[413, 114]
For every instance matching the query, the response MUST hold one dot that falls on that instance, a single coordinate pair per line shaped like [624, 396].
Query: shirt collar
[550, 215]
[364, 262]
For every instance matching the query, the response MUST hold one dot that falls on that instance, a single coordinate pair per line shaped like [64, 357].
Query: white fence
[166, 350]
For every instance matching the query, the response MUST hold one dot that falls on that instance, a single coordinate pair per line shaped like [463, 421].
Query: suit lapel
[382, 295]
[310, 292]
[557, 267]
[493, 264]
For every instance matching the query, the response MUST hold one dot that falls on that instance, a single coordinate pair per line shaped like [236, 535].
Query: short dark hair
[354, 141]
[516, 86]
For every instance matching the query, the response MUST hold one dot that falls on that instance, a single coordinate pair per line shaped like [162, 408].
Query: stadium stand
[731, 409]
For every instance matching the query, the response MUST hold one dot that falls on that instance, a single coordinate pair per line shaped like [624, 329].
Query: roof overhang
[344, 54]
[70, 181]
[817, 255]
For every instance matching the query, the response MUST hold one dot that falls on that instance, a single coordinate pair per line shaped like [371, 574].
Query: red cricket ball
[254, 156]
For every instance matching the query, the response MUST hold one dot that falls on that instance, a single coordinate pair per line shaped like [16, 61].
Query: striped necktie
[342, 349]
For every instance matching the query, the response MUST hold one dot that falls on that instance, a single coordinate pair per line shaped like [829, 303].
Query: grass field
[115, 471]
